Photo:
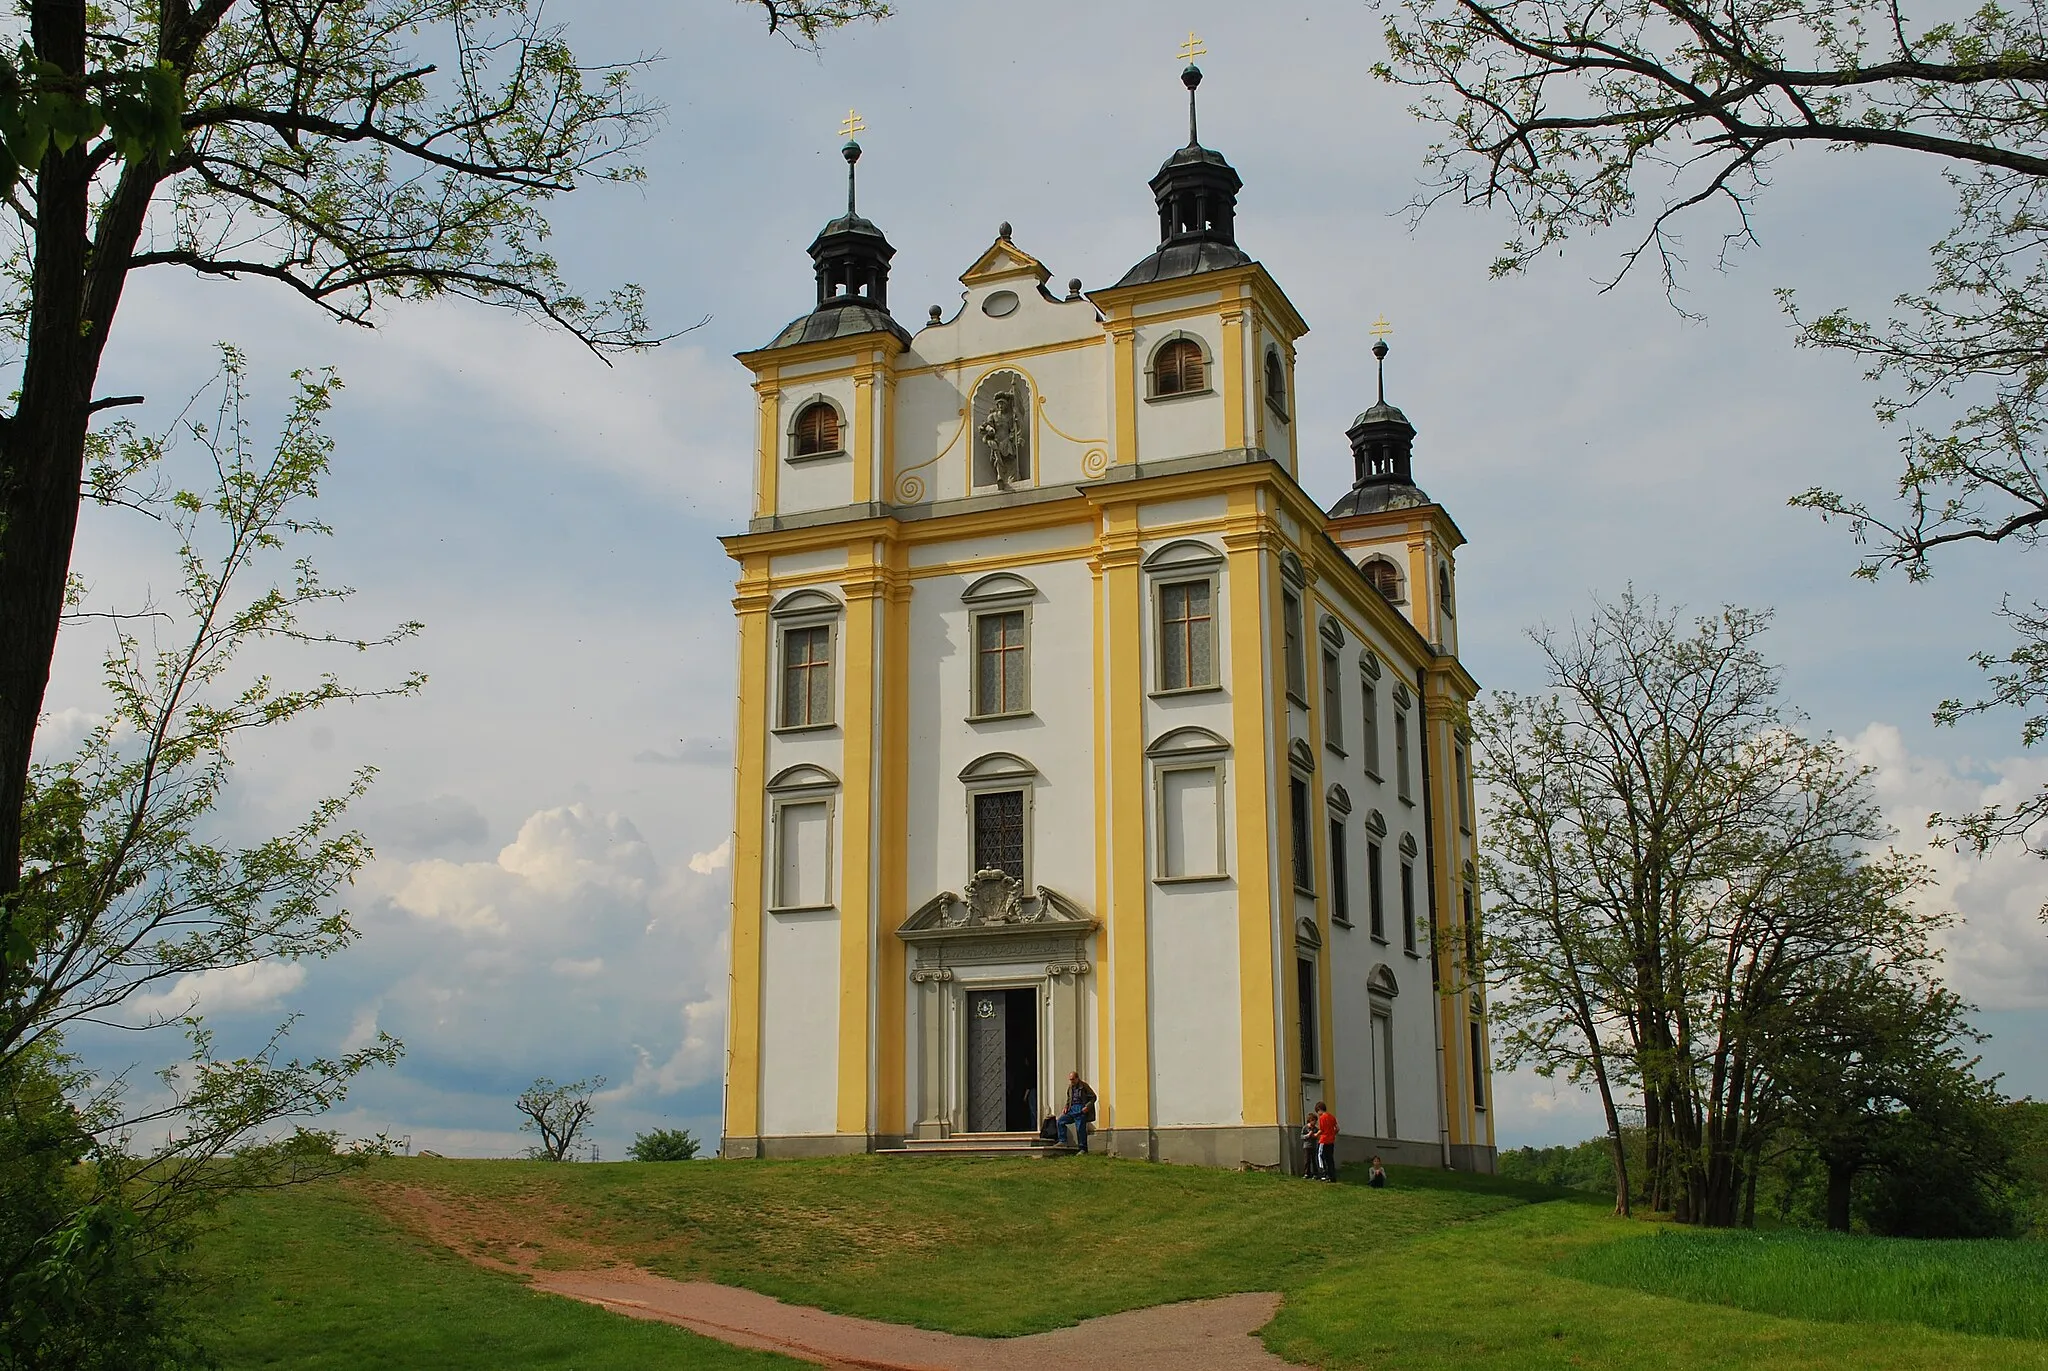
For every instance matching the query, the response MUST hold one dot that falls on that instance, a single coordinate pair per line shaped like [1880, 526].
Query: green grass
[1970, 1287]
[309, 1278]
[1437, 1272]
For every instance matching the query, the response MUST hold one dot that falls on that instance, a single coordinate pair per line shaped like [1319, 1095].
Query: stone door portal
[1002, 1061]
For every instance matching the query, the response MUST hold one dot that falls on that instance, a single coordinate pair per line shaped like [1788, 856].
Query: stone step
[980, 1145]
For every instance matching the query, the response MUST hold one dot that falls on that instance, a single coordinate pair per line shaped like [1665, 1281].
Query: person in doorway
[1377, 1177]
[1326, 1143]
[1080, 1111]
[1310, 1139]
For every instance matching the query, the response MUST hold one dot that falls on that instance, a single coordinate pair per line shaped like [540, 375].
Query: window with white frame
[1000, 664]
[1369, 694]
[1297, 661]
[1333, 703]
[1309, 1019]
[800, 822]
[1187, 768]
[999, 789]
[1461, 777]
[1408, 929]
[1184, 605]
[1402, 784]
[806, 624]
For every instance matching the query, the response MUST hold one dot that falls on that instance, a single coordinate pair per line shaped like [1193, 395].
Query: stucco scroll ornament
[1002, 438]
[995, 896]
[1079, 967]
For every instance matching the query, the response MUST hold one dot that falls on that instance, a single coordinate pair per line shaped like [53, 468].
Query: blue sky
[550, 817]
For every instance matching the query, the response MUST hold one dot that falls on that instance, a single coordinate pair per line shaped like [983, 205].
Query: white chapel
[1075, 735]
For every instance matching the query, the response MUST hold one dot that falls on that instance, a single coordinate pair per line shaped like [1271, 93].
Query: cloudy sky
[551, 816]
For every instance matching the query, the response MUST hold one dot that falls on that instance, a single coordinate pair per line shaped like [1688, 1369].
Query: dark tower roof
[1196, 191]
[851, 257]
[1382, 450]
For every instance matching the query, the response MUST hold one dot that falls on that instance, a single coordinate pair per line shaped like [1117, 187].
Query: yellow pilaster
[892, 1106]
[1131, 1102]
[1234, 434]
[864, 432]
[1453, 1011]
[865, 586]
[1123, 334]
[768, 457]
[750, 755]
[1106, 1065]
[1252, 682]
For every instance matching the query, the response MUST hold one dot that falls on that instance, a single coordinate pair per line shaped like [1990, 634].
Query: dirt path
[526, 1237]
[1202, 1335]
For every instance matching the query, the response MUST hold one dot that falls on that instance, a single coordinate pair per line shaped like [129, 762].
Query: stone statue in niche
[1004, 438]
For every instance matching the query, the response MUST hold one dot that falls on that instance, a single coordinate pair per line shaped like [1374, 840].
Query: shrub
[664, 1145]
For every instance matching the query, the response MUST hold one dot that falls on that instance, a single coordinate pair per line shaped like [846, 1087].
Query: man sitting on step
[1080, 1109]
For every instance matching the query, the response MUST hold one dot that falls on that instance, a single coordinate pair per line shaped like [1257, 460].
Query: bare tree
[1671, 860]
[1578, 115]
[560, 1114]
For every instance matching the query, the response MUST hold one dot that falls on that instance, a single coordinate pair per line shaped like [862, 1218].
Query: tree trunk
[1840, 1175]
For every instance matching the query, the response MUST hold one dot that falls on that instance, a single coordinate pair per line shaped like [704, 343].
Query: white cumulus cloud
[225, 990]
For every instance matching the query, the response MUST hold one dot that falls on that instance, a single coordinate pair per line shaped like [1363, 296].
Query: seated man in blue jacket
[1080, 1109]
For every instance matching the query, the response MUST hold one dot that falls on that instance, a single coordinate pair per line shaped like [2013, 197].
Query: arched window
[1385, 578]
[1276, 381]
[1443, 588]
[1177, 368]
[817, 430]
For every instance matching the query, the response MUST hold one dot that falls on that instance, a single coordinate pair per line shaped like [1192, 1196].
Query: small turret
[1382, 454]
[1196, 191]
[851, 258]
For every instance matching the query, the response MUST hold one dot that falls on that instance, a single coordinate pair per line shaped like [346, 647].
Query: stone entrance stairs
[980, 1145]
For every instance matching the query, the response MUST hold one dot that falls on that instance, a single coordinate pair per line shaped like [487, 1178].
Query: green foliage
[1999, 1288]
[664, 1145]
[1587, 1165]
[139, 109]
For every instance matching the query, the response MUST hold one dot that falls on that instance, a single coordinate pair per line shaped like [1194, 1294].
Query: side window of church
[817, 430]
[1290, 629]
[1305, 992]
[1000, 665]
[1340, 875]
[999, 831]
[1333, 703]
[1408, 906]
[1478, 1066]
[1401, 753]
[1177, 368]
[803, 855]
[1375, 894]
[807, 676]
[1187, 635]
[1190, 822]
[1371, 736]
[1276, 382]
[1304, 864]
[1461, 778]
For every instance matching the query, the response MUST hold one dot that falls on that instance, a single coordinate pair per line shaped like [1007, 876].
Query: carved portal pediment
[994, 902]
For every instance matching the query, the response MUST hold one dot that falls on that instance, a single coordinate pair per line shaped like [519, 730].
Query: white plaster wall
[998, 550]
[805, 563]
[1196, 1053]
[1180, 425]
[799, 1023]
[1166, 513]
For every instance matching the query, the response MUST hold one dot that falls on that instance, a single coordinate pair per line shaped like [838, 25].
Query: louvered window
[1177, 368]
[817, 430]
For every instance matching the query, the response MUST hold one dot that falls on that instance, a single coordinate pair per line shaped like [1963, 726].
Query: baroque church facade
[1074, 735]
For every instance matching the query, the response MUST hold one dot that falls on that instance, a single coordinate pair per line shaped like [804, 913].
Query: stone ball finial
[1074, 288]
[1003, 231]
[934, 316]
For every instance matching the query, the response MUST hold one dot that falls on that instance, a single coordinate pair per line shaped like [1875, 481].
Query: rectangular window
[807, 676]
[1478, 1066]
[1401, 753]
[1371, 737]
[1187, 635]
[1290, 629]
[1471, 934]
[1305, 995]
[1376, 900]
[1464, 784]
[1408, 906]
[1382, 1048]
[1333, 703]
[999, 831]
[1304, 862]
[999, 665]
[803, 855]
[1190, 823]
[1340, 875]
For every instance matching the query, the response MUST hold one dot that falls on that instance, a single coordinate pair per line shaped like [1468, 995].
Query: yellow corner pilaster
[1234, 434]
[750, 756]
[865, 585]
[864, 433]
[768, 457]
[1251, 683]
[1129, 956]
[1105, 1069]
[1123, 334]
[892, 1102]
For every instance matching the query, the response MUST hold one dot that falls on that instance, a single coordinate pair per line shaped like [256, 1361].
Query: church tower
[1074, 736]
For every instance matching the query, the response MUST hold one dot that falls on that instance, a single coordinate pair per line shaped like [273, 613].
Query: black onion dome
[1383, 453]
[1196, 191]
[851, 257]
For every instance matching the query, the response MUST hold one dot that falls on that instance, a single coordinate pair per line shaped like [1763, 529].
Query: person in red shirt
[1326, 1143]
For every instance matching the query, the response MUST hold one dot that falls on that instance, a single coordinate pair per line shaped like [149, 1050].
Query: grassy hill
[417, 1262]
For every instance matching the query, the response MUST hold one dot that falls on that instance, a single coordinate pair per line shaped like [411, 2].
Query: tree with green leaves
[1585, 115]
[1671, 861]
[351, 152]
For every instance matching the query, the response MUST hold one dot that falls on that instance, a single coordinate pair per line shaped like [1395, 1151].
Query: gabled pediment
[1002, 260]
[991, 908]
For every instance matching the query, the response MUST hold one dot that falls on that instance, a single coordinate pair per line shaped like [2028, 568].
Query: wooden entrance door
[987, 1061]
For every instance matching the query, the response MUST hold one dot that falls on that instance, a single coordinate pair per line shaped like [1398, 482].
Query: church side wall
[800, 1024]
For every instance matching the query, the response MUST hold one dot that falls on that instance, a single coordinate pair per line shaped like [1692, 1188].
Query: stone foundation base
[1242, 1148]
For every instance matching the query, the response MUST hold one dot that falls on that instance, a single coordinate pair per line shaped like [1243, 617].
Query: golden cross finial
[1193, 48]
[1381, 328]
[851, 124]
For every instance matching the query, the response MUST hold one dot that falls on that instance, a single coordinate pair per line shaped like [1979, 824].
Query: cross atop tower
[1193, 48]
[851, 125]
